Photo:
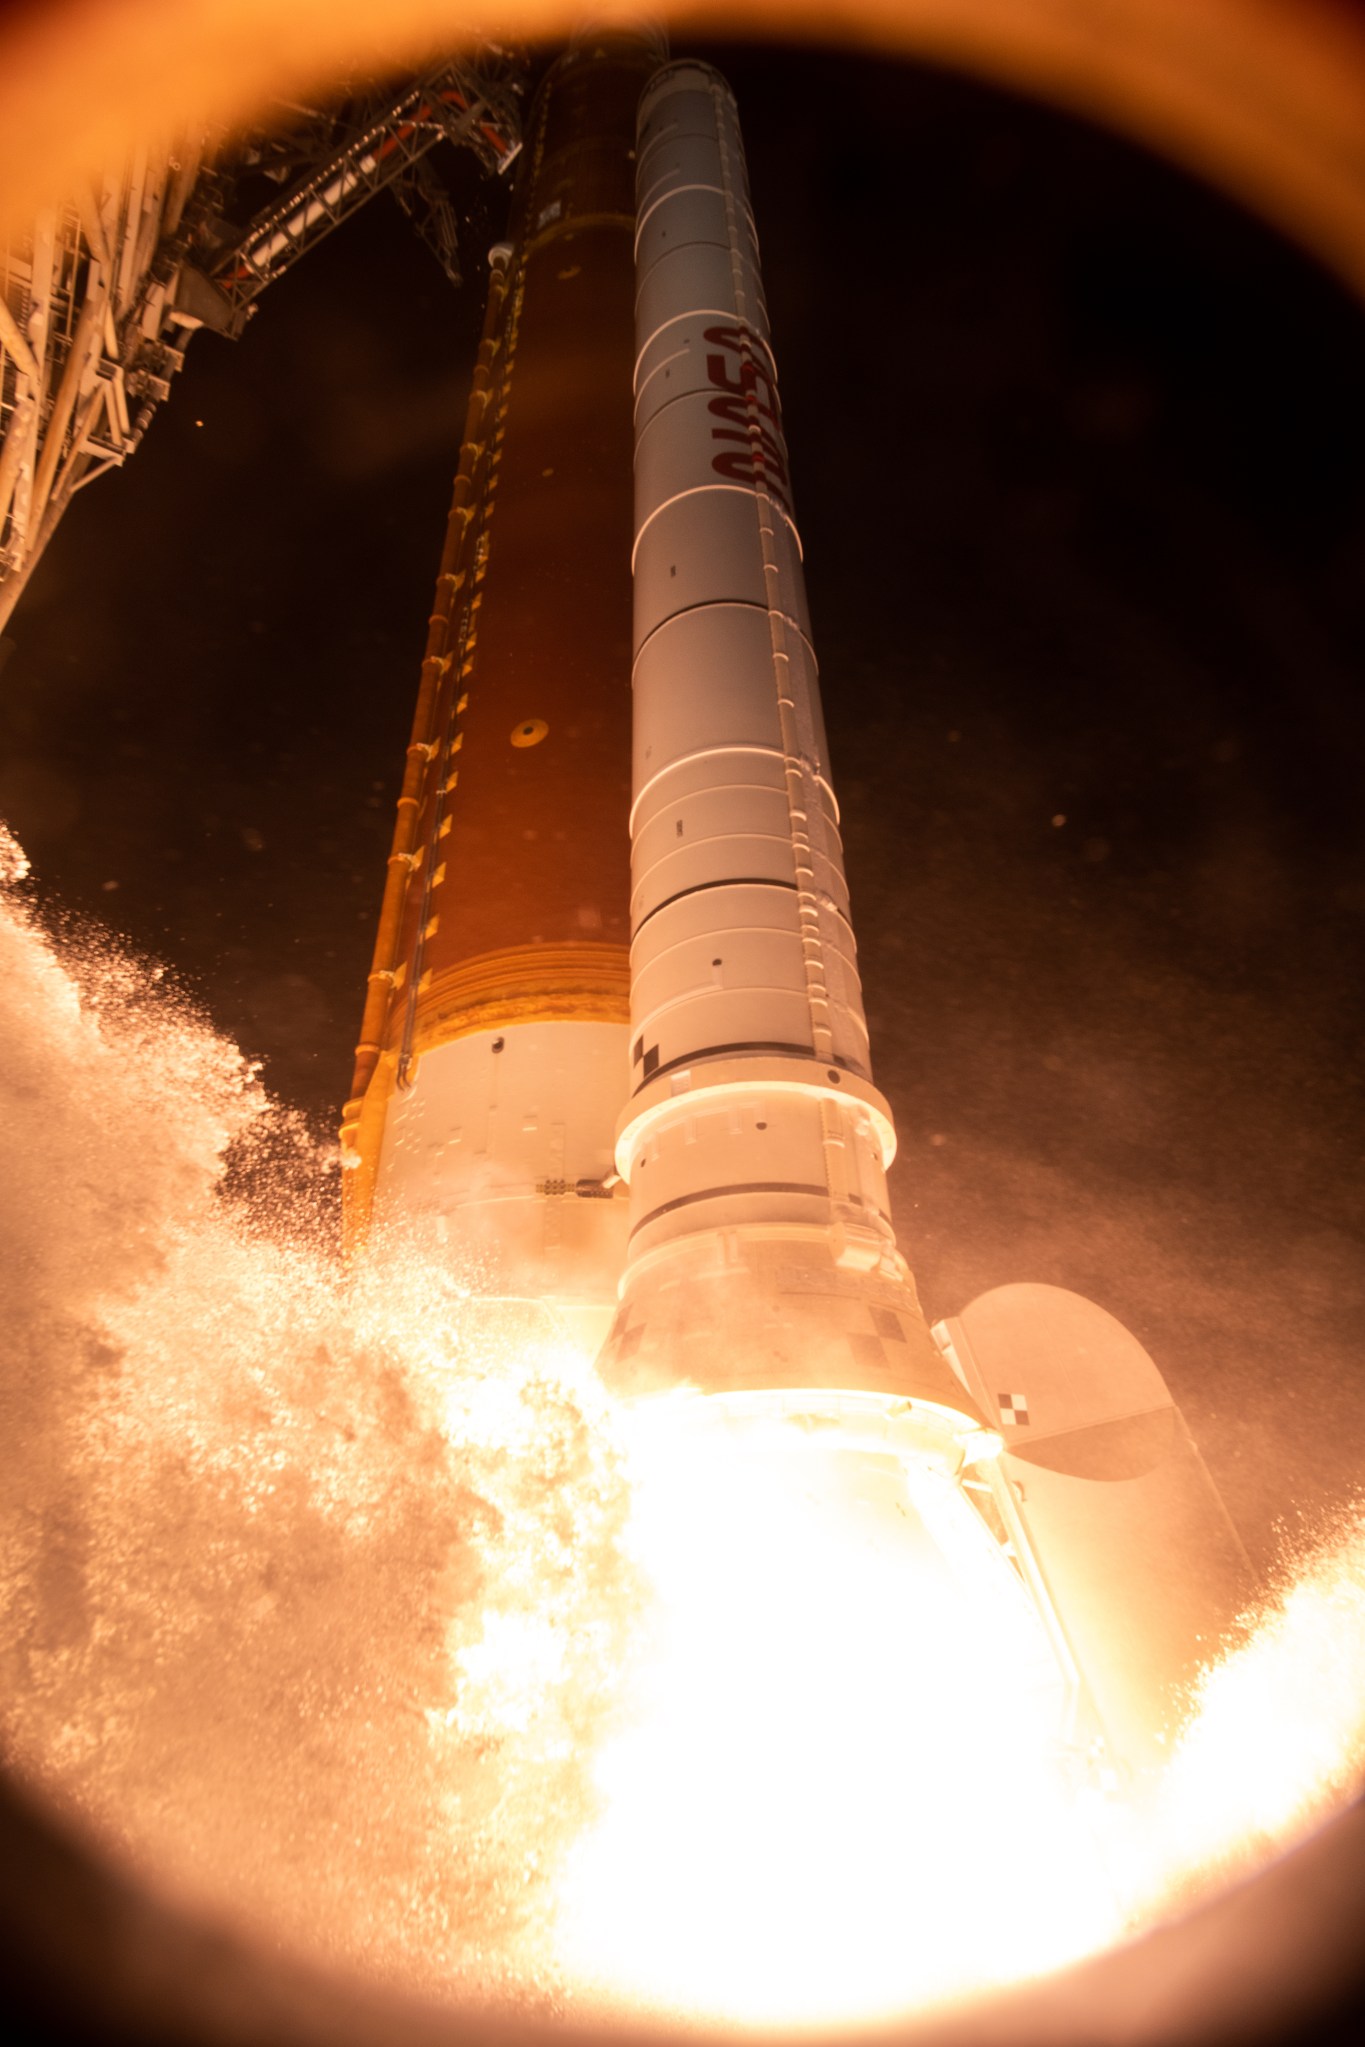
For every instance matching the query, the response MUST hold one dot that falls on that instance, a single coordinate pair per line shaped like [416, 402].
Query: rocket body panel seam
[717, 487]
[710, 753]
[810, 1190]
[704, 887]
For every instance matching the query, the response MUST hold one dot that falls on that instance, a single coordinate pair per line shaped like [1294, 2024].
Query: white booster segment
[732, 798]
[754, 1143]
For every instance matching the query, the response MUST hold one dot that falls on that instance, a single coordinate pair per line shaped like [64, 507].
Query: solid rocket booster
[489, 1073]
[762, 1258]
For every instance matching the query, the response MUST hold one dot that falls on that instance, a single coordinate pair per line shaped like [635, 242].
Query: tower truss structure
[100, 296]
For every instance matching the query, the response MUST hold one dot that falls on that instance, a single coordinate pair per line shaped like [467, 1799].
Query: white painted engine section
[500, 1151]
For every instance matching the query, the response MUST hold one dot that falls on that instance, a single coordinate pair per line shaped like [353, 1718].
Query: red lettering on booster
[741, 370]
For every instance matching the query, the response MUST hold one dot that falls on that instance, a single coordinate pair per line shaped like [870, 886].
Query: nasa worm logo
[741, 372]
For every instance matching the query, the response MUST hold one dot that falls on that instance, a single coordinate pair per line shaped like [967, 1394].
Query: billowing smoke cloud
[310, 1575]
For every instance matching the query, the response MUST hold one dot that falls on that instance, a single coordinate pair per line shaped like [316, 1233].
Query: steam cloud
[327, 1592]
[311, 1576]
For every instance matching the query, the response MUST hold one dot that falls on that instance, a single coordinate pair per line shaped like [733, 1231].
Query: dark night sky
[1078, 455]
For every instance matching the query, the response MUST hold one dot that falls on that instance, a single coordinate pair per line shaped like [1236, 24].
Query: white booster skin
[742, 948]
[762, 1254]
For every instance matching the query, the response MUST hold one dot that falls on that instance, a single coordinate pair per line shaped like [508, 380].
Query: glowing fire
[843, 1740]
[352, 1607]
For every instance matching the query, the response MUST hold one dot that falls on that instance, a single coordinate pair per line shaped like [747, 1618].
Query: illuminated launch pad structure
[100, 298]
[648, 1106]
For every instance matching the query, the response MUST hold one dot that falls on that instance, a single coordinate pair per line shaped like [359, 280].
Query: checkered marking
[1014, 1410]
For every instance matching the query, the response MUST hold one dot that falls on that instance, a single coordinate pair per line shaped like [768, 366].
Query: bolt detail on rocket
[728, 1230]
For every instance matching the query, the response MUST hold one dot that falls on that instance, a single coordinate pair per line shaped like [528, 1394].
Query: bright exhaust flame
[349, 1606]
[844, 1739]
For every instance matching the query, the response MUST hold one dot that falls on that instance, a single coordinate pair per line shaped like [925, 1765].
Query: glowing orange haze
[1262, 97]
[353, 1608]
[349, 1605]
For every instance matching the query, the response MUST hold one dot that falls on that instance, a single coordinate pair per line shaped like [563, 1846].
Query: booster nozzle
[773, 1318]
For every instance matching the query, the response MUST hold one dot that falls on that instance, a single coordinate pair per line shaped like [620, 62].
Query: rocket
[614, 1054]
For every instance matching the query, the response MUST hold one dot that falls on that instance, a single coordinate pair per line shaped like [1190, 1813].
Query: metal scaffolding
[99, 299]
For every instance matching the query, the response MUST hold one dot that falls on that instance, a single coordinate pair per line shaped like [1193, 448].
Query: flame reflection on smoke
[320, 1591]
[1276, 1737]
[264, 1520]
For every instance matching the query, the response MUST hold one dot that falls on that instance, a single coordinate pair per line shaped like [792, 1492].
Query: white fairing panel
[1140, 1563]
